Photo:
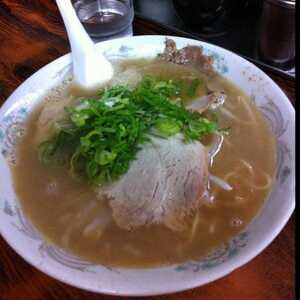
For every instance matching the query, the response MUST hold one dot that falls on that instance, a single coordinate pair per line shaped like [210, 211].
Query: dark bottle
[277, 33]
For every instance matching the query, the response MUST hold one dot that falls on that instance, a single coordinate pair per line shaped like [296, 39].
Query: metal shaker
[277, 34]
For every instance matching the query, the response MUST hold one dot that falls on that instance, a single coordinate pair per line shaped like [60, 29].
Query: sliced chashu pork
[166, 183]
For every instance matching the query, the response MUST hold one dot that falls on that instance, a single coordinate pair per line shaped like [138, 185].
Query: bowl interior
[27, 242]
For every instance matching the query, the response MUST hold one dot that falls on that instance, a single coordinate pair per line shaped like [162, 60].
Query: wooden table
[32, 35]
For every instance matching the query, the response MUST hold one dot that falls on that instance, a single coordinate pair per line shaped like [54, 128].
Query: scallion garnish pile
[102, 136]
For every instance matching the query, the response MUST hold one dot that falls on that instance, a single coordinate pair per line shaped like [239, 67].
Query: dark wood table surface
[32, 35]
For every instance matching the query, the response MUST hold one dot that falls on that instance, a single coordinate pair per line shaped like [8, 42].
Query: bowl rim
[186, 285]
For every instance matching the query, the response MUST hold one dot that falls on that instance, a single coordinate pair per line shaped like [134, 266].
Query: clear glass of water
[105, 18]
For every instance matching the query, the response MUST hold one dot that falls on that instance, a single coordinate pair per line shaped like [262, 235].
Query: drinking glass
[105, 18]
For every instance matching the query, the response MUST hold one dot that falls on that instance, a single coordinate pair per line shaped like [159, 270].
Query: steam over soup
[168, 153]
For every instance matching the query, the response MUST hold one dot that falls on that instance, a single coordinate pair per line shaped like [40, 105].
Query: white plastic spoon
[90, 68]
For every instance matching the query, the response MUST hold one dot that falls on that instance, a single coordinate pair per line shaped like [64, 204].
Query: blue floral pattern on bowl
[11, 129]
[217, 257]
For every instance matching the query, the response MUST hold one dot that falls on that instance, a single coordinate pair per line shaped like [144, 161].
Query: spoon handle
[90, 68]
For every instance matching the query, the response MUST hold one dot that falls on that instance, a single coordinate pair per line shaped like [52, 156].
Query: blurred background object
[105, 19]
[210, 16]
[277, 33]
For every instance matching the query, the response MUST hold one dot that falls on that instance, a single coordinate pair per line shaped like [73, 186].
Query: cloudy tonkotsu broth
[68, 213]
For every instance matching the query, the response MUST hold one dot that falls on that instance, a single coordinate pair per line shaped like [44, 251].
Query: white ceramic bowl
[26, 241]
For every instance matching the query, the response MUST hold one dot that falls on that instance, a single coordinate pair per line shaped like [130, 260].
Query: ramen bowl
[21, 235]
